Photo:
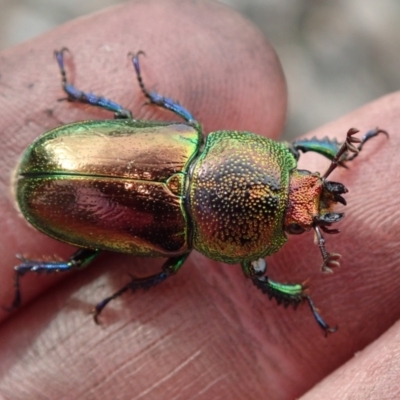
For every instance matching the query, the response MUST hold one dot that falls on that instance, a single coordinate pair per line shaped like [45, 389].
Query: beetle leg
[283, 293]
[326, 147]
[79, 96]
[330, 148]
[170, 267]
[157, 99]
[79, 259]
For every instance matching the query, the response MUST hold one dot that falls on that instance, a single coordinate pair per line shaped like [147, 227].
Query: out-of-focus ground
[336, 54]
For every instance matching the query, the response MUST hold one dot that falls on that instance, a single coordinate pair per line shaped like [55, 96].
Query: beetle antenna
[348, 145]
[370, 134]
[330, 260]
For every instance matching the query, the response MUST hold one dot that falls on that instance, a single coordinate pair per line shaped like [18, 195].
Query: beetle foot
[74, 94]
[159, 100]
[170, 267]
[80, 259]
[133, 285]
[320, 321]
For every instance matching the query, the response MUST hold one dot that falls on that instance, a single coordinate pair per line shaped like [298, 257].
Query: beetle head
[311, 201]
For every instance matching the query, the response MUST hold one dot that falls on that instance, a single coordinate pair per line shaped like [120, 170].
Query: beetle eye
[295, 229]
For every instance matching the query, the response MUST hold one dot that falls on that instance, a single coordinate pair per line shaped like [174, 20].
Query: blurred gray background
[337, 54]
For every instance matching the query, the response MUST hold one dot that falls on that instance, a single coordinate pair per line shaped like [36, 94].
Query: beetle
[154, 188]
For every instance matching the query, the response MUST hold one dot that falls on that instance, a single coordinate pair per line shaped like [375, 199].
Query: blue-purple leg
[161, 101]
[79, 96]
[170, 267]
[79, 259]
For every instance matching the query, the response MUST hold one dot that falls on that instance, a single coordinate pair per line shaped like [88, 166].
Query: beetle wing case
[113, 185]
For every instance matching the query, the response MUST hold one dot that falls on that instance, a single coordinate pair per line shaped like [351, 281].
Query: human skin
[206, 333]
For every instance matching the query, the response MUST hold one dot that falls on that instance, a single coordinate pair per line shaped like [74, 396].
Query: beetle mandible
[106, 186]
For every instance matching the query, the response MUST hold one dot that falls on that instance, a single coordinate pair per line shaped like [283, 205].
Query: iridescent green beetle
[161, 189]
